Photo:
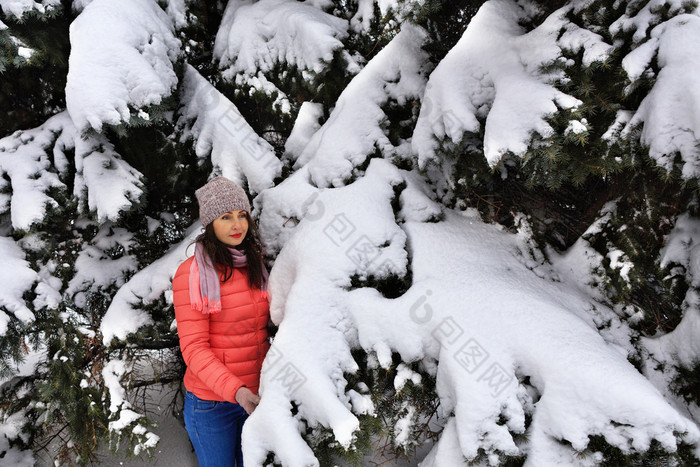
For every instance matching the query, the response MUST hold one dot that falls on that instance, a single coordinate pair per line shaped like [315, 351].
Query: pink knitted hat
[218, 196]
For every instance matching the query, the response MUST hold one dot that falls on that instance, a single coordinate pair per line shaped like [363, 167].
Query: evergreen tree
[114, 112]
[34, 51]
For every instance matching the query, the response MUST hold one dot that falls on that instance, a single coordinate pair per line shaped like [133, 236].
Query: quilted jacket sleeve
[193, 331]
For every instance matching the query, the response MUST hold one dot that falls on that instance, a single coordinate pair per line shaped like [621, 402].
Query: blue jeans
[215, 428]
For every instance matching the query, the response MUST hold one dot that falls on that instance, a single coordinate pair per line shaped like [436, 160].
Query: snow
[493, 74]
[361, 403]
[396, 73]
[637, 62]
[446, 452]
[681, 247]
[483, 345]
[402, 428]
[16, 278]
[121, 58]
[305, 125]
[575, 39]
[646, 17]
[18, 8]
[285, 205]
[47, 290]
[403, 375]
[508, 335]
[25, 52]
[22, 155]
[10, 429]
[495, 65]
[622, 118]
[112, 374]
[222, 134]
[365, 12]
[110, 183]
[618, 260]
[124, 314]
[95, 270]
[669, 112]
[482, 315]
[176, 10]
[79, 5]
[103, 182]
[276, 30]
[576, 127]
[255, 36]
[126, 418]
[680, 346]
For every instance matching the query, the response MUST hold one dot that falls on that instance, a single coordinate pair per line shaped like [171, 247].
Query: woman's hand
[247, 399]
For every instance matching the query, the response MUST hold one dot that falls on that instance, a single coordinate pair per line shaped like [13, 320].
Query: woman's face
[231, 227]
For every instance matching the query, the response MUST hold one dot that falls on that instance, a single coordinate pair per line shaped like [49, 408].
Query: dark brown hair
[219, 252]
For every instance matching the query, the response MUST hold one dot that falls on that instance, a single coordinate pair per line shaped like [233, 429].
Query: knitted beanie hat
[218, 196]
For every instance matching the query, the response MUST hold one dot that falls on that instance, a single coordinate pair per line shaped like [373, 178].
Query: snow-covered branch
[669, 115]
[492, 77]
[222, 133]
[121, 61]
[36, 161]
[256, 36]
[396, 74]
[18, 8]
[500, 356]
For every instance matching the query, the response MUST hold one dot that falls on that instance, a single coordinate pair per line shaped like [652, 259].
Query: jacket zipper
[257, 331]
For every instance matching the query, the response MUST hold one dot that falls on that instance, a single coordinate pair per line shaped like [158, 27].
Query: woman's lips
[236, 235]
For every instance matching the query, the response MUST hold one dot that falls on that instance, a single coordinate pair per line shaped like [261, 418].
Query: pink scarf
[205, 289]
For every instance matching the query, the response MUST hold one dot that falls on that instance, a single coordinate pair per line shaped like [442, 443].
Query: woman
[222, 312]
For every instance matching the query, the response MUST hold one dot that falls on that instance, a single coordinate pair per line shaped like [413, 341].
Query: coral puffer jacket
[225, 350]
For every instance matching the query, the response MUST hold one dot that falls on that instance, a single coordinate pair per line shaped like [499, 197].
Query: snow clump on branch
[121, 61]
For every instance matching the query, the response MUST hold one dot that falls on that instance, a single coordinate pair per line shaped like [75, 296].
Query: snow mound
[121, 60]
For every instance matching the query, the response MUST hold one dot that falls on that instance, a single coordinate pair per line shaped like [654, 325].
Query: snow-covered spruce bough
[369, 187]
